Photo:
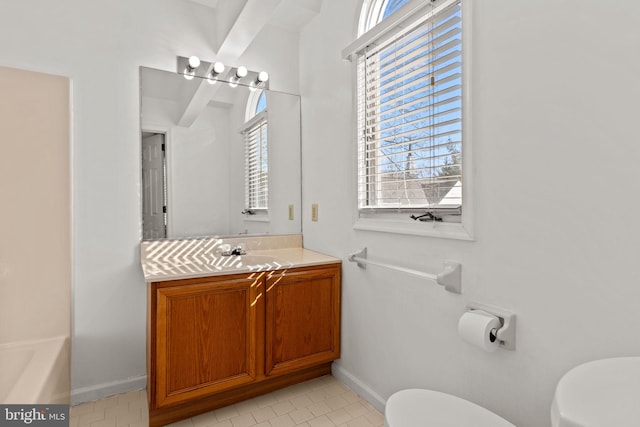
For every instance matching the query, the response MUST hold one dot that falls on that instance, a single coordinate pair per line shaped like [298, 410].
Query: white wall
[555, 93]
[197, 164]
[200, 164]
[100, 47]
[284, 162]
[283, 136]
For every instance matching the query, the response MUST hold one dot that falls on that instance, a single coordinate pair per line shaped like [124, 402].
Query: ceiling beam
[201, 97]
[254, 16]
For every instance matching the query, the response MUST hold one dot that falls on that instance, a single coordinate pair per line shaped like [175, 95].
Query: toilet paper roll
[475, 328]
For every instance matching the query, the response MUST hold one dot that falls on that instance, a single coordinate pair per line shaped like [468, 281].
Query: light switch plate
[290, 212]
[314, 212]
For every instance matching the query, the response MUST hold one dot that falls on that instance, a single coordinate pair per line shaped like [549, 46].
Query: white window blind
[410, 115]
[256, 163]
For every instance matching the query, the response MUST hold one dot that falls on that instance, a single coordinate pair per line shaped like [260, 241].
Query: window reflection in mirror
[256, 156]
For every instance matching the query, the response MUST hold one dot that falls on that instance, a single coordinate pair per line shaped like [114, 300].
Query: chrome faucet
[238, 250]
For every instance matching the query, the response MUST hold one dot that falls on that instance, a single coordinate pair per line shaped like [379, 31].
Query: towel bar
[450, 278]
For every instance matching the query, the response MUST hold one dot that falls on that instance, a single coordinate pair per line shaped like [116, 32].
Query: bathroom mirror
[194, 137]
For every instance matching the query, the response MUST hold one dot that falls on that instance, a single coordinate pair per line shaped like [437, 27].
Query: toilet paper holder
[506, 334]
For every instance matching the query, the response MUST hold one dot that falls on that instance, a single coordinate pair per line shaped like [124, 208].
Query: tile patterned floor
[321, 402]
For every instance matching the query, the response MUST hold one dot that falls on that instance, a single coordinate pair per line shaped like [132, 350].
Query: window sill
[455, 231]
[257, 218]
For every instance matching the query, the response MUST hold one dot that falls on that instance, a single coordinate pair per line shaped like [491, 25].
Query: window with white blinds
[410, 115]
[256, 163]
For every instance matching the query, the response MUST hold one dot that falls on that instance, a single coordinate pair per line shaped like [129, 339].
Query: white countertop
[189, 258]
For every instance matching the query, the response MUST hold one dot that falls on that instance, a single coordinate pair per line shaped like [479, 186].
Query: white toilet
[426, 408]
[600, 393]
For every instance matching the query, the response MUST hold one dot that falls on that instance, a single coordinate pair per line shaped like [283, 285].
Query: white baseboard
[89, 394]
[359, 387]
[100, 391]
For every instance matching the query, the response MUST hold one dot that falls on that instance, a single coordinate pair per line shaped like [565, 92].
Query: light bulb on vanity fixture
[260, 80]
[241, 72]
[218, 68]
[192, 64]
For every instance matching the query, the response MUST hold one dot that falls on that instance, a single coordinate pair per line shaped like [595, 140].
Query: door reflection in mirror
[154, 186]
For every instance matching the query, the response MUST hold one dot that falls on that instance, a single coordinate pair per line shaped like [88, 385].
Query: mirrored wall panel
[217, 160]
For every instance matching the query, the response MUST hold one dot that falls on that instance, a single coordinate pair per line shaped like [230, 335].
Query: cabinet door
[302, 318]
[206, 336]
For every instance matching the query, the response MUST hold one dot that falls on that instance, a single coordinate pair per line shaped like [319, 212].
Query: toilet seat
[600, 393]
[424, 408]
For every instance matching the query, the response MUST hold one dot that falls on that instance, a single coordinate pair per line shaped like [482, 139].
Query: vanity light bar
[193, 67]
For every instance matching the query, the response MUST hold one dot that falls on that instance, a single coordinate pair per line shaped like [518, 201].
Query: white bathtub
[35, 372]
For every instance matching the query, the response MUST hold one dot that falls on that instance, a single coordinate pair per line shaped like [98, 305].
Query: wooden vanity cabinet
[303, 319]
[205, 338]
[218, 340]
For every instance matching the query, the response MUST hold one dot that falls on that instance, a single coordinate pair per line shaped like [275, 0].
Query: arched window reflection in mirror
[255, 134]
[262, 102]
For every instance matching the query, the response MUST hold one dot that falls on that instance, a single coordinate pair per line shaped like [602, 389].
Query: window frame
[397, 220]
